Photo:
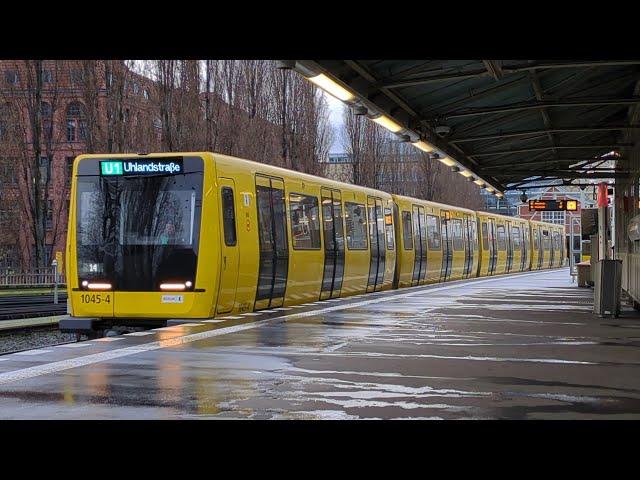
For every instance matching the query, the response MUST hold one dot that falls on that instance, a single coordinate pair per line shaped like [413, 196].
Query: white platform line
[75, 345]
[33, 352]
[140, 334]
[188, 325]
[108, 339]
[218, 320]
[282, 308]
[250, 314]
[53, 367]
[230, 317]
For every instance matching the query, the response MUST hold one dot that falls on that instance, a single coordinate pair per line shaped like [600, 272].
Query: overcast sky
[336, 109]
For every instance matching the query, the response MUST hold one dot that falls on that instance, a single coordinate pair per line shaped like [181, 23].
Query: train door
[539, 248]
[525, 246]
[509, 240]
[229, 247]
[493, 247]
[376, 237]
[419, 240]
[274, 246]
[447, 245]
[468, 245]
[333, 244]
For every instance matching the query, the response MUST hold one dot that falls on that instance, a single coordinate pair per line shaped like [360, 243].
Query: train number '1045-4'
[95, 298]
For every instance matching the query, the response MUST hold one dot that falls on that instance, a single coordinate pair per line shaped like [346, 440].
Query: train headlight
[98, 286]
[173, 286]
[188, 284]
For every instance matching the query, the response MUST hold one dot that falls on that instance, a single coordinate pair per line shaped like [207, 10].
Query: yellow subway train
[203, 235]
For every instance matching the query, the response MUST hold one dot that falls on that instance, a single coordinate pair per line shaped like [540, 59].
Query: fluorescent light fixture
[489, 189]
[332, 88]
[424, 146]
[479, 182]
[98, 286]
[499, 194]
[387, 123]
[465, 173]
[447, 161]
[172, 286]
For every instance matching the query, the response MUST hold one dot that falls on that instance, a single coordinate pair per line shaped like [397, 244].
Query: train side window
[536, 238]
[516, 237]
[355, 220]
[457, 234]
[305, 223]
[228, 217]
[407, 233]
[433, 232]
[502, 238]
[485, 236]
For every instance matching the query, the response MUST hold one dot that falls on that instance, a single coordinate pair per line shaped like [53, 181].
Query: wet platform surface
[524, 346]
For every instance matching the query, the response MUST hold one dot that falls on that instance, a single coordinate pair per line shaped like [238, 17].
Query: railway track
[27, 306]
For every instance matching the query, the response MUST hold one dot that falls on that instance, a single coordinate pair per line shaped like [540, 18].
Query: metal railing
[32, 278]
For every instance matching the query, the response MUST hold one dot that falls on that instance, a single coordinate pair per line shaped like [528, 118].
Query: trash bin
[608, 287]
[584, 273]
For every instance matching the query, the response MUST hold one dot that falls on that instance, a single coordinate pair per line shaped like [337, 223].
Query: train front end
[134, 241]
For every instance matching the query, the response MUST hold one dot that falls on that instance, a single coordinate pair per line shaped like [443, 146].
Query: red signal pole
[603, 200]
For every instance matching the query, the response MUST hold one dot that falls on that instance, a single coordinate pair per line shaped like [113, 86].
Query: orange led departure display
[553, 205]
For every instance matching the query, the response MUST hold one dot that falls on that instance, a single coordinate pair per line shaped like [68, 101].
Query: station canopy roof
[511, 123]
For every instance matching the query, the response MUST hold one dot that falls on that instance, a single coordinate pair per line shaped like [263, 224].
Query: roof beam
[493, 68]
[527, 133]
[390, 83]
[501, 166]
[537, 149]
[537, 88]
[514, 107]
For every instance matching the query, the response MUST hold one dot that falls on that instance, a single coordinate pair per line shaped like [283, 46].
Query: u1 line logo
[111, 168]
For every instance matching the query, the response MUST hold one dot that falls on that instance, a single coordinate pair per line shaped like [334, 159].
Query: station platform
[522, 346]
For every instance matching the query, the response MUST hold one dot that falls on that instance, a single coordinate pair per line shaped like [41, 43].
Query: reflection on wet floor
[520, 347]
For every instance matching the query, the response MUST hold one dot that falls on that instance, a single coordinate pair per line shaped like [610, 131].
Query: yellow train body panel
[201, 235]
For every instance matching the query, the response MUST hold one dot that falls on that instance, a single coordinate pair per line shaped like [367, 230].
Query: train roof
[433, 204]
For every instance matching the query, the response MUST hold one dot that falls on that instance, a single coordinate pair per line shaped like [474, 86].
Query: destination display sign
[158, 166]
[553, 205]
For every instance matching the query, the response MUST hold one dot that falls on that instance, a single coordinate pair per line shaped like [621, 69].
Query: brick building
[78, 114]
[571, 220]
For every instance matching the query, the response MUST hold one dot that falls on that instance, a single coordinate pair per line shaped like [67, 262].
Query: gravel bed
[27, 340]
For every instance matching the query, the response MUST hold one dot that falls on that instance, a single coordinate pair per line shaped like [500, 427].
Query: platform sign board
[553, 205]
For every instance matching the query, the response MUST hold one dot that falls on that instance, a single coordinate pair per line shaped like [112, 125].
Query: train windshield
[138, 231]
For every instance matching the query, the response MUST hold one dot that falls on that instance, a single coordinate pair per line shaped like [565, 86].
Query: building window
[46, 114]
[136, 88]
[49, 218]
[69, 164]
[553, 217]
[7, 171]
[47, 76]
[45, 168]
[76, 123]
[8, 258]
[305, 224]
[145, 94]
[11, 77]
[77, 76]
